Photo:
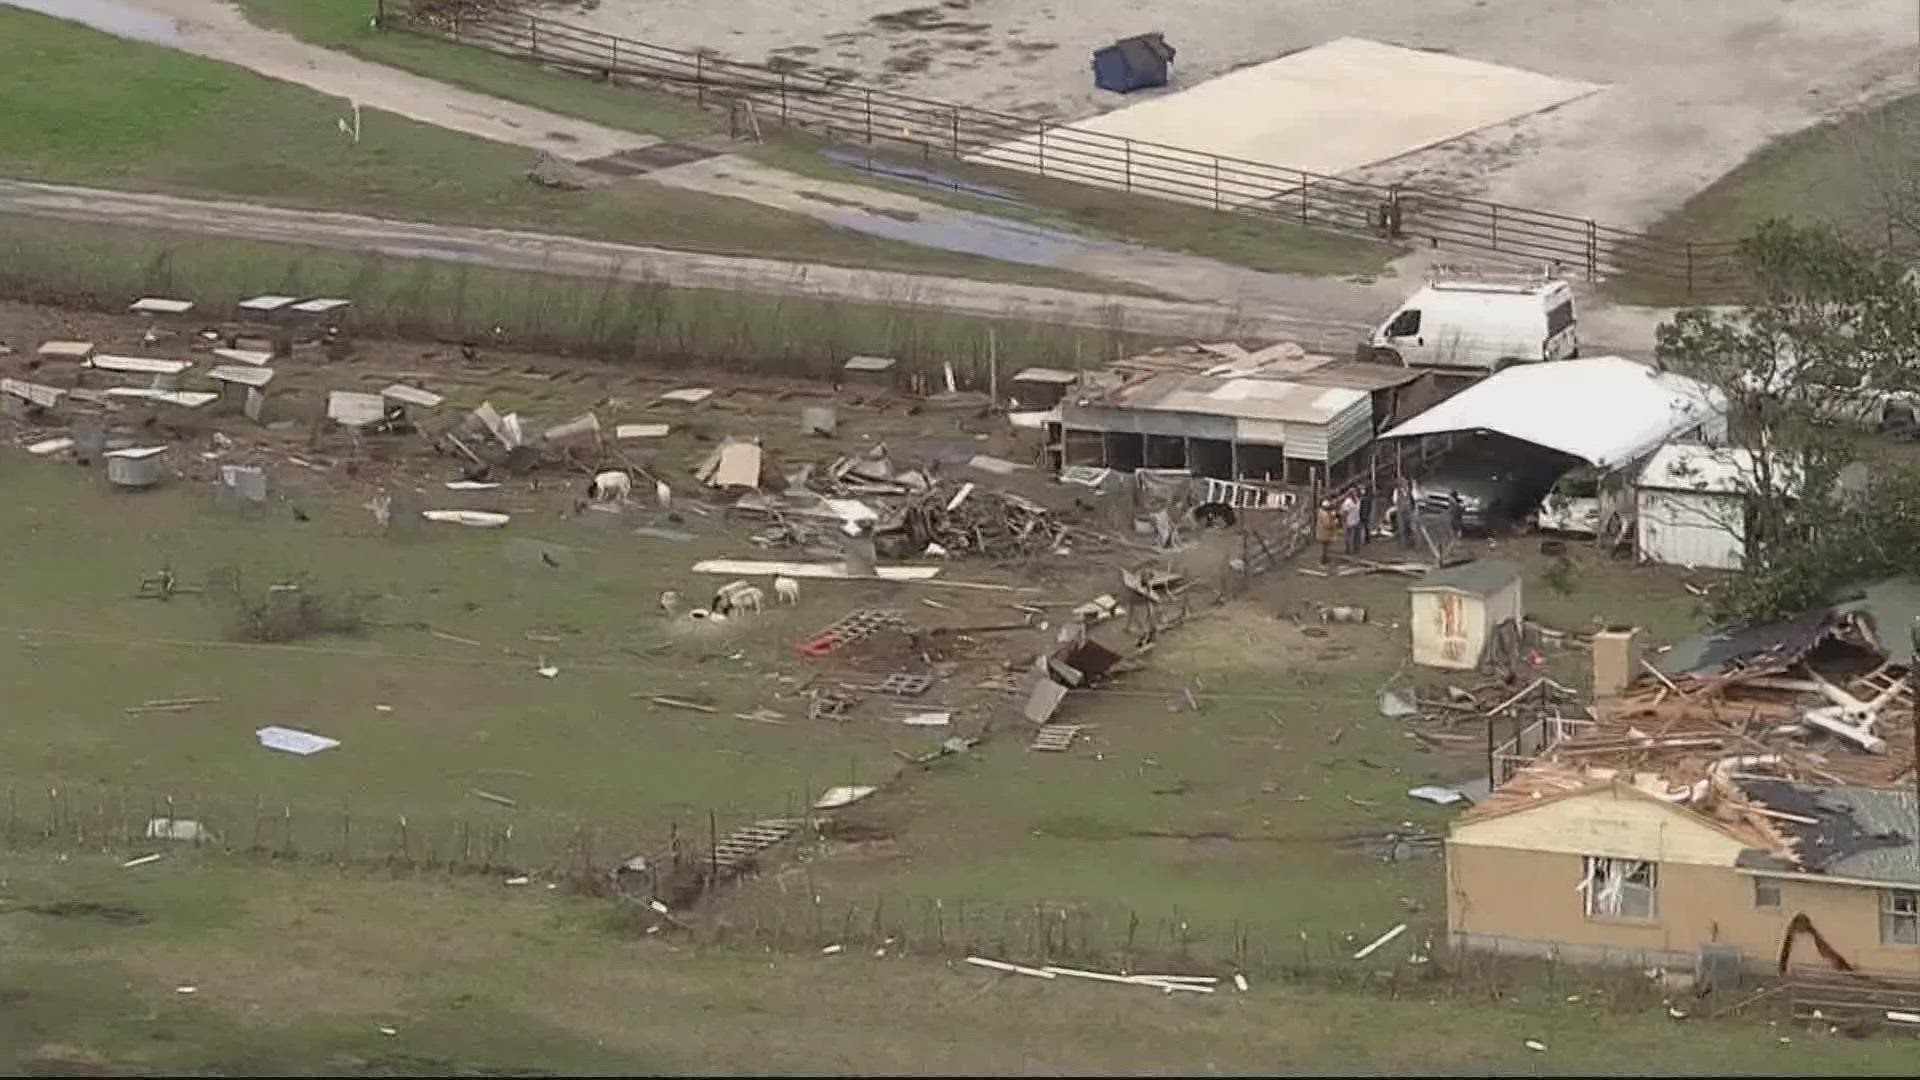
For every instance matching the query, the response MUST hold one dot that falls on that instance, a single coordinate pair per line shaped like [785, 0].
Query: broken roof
[1239, 398]
[1855, 832]
[1481, 576]
[1606, 410]
[1357, 375]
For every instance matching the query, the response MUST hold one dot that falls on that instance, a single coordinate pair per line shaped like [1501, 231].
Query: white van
[1479, 324]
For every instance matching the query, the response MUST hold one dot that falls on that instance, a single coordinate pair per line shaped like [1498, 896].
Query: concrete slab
[1326, 110]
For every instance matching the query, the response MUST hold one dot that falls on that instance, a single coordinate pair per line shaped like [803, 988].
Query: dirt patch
[925, 20]
[88, 911]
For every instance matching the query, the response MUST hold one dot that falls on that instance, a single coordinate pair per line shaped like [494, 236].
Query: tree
[1831, 335]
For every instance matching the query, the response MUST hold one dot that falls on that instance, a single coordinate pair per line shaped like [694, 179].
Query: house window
[1620, 890]
[1899, 917]
[1766, 893]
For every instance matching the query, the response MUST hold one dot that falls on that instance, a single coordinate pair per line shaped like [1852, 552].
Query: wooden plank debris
[1374, 946]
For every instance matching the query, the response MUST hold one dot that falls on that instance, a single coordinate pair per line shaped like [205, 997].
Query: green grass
[577, 748]
[1840, 173]
[87, 108]
[1264, 811]
[1261, 244]
[101, 265]
[299, 970]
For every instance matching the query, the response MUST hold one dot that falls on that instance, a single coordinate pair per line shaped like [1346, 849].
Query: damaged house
[1278, 416]
[1603, 867]
[1755, 790]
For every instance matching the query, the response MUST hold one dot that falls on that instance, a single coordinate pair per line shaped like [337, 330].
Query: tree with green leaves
[1829, 339]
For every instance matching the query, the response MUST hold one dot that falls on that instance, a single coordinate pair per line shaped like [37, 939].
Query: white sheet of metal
[1329, 109]
[1605, 410]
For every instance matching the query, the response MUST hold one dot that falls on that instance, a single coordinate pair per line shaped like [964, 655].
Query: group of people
[1348, 517]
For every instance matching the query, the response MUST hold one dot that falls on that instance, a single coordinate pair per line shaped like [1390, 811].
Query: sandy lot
[1693, 87]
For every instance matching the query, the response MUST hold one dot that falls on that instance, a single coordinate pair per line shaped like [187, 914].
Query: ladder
[738, 850]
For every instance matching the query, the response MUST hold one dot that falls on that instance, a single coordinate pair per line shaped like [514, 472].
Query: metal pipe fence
[844, 112]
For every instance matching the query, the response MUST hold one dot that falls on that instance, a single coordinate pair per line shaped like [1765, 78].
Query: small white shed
[1457, 608]
[1691, 502]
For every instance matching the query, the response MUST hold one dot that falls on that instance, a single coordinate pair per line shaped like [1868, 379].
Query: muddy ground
[1694, 88]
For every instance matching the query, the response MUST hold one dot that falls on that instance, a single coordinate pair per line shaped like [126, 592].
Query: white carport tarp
[1605, 410]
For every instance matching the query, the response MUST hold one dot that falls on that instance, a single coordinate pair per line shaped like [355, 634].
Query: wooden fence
[846, 112]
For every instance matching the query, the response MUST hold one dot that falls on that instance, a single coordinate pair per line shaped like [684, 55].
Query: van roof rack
[1468, 276]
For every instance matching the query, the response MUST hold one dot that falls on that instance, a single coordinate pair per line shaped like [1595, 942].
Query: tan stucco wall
[1508, 897]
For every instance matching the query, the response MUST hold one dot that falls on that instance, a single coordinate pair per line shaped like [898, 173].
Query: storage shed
[1456, 610]
[1228, 429]
[1135, 63]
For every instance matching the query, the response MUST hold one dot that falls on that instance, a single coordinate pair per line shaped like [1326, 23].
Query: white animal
[610, 486]
[669, 603]
[751, 598]
[787, 589]
[723, 596]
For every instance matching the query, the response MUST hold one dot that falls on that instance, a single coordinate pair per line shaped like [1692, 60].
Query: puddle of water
[977, 234]
[106, 15]
[913, 174]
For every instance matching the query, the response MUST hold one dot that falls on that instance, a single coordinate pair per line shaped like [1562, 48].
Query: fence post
[783, 99]
[1126, 163]
[1689, 269]
[380, 15]
[700, 79]
[956, 133]
[613, 61]
[869, 116]
[456, 24]
[1496, 226]
[1216, 182]
[1303, 197]
[533, 37]
[1043, 148]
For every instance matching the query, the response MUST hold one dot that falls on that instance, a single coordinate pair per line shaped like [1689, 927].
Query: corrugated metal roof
[1241, 399]
[1606, 410]
[1356, 375]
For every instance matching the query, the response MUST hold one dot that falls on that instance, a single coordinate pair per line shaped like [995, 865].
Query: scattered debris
[679, 703]
[623, 432]
[1055, 737]
[846, 795]
[1376, 943]
[475, 519]
[143, 860]
[492, 798]
[1011, 969]
[1439, 796]
[927, 719]
[293, 740]
[692, 395]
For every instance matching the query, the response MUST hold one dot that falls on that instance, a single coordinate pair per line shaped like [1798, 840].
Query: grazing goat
[610, 486]
[669, 603]
[787, 589]
[723, 596]
[751, 598]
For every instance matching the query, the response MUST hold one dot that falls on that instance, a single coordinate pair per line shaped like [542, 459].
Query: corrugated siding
[1684, 528]
[1350, 431]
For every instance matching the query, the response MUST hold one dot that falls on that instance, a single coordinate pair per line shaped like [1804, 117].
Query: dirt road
[574, 257]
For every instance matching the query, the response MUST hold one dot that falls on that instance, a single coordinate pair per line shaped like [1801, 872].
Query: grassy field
[456, 717]
[1843, 173]
[305, 970]
[101, 265]
[1266, 811]
[1261, 244]
[88, 108]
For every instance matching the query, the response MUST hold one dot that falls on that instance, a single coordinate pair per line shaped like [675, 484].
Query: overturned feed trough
[140, 467]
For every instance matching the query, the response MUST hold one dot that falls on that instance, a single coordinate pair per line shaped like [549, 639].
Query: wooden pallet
[740, 848]
[1054, 737]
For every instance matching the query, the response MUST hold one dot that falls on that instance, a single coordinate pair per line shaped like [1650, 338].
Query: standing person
[1350, 517]
[1326, 526]
[1366, 513]
[1456, 514]
[1403, 511]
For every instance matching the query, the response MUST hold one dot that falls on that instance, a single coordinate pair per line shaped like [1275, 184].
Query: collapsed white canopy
[1605, 410]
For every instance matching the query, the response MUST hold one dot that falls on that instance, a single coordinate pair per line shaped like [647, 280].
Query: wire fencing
[841, 111]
